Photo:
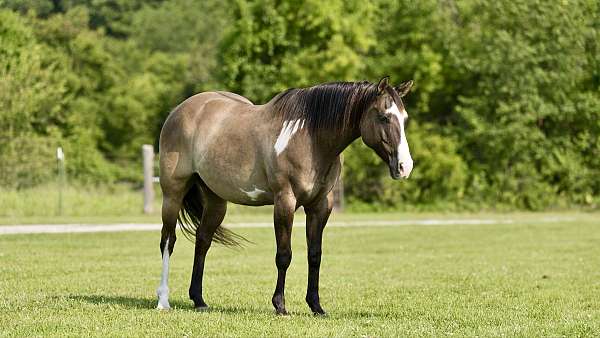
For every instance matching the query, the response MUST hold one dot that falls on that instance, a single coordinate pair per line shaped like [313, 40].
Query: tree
[275, 45]
[31, 97]
[527, 103]
[408, 47]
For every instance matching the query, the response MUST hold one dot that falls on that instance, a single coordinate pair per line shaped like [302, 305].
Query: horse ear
[383, 84]
[404, 88]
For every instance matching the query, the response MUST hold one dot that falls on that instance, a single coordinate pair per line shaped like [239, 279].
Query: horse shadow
[178, 305]
[122, 301]
[150, 304]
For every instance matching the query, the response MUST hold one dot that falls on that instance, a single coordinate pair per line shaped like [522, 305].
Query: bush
[438, 177]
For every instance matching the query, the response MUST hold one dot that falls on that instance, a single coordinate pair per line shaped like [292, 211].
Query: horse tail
[190, 218]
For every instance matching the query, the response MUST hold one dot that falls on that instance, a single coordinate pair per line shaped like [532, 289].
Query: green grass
[123, 203]
[119, 203]
[526, 279]
[42, 201]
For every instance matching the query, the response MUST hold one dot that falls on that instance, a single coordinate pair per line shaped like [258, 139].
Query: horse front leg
[316, 218]
[283, 217]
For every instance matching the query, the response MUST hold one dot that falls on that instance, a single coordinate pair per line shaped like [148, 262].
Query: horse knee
[283, 259]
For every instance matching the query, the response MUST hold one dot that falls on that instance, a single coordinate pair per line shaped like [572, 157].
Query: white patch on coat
[404, 157]
[253, 194]
[163, 290]
[285, 135]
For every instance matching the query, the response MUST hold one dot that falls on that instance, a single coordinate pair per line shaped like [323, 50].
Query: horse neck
[334, 143]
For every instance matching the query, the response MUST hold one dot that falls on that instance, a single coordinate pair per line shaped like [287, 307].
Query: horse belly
[239, 191]
[236, 179]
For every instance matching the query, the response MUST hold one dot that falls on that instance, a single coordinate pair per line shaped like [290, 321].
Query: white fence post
[148, 154]
[60, 163]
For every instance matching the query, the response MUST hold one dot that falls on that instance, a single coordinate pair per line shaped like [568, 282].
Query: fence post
[148, 155]
[60, 164]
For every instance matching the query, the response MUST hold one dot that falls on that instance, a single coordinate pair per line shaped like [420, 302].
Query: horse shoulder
[309, 175]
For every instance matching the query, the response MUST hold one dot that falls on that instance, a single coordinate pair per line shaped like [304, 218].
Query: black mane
[335, 106]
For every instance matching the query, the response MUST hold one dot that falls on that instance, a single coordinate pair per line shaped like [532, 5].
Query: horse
[219, 147]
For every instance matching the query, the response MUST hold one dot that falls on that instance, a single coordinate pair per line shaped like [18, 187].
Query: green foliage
[274, 45]
[514, 84]
[505, 111]
[520, 108]
[39, 7]
[31, 92]
[441, 175]
[68, 85]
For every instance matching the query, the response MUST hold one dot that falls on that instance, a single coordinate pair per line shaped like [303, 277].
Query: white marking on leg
[253, 194]
[163, 289]
[404, 157]
[285, 135]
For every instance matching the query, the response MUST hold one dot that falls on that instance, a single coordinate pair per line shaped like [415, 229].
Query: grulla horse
[218, 147]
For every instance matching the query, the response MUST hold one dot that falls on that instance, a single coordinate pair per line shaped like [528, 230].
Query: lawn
[531, 278]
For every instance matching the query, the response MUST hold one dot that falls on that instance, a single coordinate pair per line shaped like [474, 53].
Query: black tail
[191, 215]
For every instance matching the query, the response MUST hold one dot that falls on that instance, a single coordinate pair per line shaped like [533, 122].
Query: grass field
[530, 278]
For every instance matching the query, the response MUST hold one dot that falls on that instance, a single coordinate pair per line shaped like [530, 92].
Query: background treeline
[505, 108]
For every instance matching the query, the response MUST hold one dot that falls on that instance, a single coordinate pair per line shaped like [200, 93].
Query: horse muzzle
[399, 169]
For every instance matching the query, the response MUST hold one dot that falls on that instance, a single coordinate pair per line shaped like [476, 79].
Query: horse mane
[335, 106]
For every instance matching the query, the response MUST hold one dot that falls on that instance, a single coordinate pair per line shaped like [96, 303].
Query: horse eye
[383, 118]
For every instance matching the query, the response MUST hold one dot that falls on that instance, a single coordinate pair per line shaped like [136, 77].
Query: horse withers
[218, 147]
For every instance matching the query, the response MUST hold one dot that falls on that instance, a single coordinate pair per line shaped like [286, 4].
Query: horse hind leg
[173, 192]
[213, 213]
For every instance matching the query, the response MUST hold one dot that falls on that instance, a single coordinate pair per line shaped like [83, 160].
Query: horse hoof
[202, 308]
[163, 307]
[282, 312]
[318, 311]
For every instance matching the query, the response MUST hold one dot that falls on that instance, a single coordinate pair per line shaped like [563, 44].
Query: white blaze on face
[404, 157]
[285, 135]
[163, 289]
